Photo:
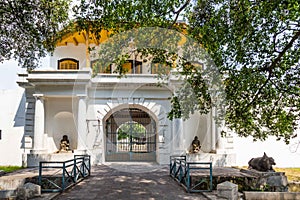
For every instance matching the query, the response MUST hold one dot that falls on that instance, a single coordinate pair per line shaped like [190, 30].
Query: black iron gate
[130, 136]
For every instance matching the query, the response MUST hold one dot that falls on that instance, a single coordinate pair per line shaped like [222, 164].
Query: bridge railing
[191, 175]
[63, 174]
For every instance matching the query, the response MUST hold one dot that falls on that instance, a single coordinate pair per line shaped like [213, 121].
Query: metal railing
[185, 173]
[63, 174]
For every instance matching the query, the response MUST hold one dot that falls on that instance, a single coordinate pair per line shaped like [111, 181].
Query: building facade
[108, 117]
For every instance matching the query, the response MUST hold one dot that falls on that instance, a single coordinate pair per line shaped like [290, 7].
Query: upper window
[133, 67]
[158, 68]
[68, 63]
[100, 68]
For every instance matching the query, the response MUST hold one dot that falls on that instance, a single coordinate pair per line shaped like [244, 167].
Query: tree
[131, 129]
[255, 45]
[28, 29]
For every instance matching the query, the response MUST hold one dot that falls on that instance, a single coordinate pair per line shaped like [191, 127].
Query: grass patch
[293, 174]
[10, 168]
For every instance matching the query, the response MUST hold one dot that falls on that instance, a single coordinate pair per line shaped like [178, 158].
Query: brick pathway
[128, 181]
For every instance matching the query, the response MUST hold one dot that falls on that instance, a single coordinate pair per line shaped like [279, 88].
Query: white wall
[12, 107]
[60, 121]
[70, 51]
[198, 125]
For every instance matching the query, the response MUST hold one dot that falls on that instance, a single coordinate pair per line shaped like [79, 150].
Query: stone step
[218, 160]
[271, 195]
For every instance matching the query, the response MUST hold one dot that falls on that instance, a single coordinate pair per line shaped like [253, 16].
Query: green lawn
[10, 168]
[293, 174]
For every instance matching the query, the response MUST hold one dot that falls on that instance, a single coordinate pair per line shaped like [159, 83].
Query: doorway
[130, 136]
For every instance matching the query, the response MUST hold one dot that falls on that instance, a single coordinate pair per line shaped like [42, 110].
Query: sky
[8, 74]
[9, 70]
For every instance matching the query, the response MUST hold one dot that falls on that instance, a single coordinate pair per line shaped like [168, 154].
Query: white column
[39, 123]
[81, 123]
[213, 130]
[178, 138]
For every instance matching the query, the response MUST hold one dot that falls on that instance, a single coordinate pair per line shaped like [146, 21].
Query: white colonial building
[107, 117]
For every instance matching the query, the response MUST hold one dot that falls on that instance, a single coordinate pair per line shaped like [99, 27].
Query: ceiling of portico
[82, 37]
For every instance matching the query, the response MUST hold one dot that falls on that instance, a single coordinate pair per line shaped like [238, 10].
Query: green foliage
[28, 29]
[119, 16]
[131, 129]
[255, 45]
[253, 51]
[9, 168]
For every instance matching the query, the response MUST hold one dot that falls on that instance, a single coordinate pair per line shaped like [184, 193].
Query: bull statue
[263, 164]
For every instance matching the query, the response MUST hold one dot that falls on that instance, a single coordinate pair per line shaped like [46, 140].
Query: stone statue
[195, 145]
[263, 164]
[65, 144]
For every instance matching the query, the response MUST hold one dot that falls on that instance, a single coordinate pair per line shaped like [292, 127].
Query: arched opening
[63, 124]
[130, 136]
[67, 64]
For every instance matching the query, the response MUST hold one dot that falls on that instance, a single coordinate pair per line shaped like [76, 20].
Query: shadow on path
[128, 181]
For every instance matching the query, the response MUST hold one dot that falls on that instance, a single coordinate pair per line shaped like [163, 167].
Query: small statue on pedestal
[195, 145]
[64, 144]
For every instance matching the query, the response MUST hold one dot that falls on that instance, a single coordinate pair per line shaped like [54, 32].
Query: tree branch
[273, 65]
[179, 11]
[287, 47]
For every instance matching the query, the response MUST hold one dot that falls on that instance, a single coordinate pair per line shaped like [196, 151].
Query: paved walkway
[129, 181]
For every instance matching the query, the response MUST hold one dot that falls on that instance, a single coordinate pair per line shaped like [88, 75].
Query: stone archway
[131, 135]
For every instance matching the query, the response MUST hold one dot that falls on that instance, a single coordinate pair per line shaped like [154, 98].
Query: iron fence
[63, 173]
[187, 174]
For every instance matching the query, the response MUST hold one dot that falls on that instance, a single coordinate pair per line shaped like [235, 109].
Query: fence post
[188, 181]
[89, 169]
[181, 173]
[40, 173]
[75, 170]
[82, 166]
[210, 176]
[63, 177]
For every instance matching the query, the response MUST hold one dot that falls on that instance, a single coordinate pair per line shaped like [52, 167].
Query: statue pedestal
[217, 160]
[33, 160]
[276, 181]
[79, 152]
[40, 151]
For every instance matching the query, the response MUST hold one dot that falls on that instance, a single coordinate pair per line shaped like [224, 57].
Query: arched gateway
[130, 136]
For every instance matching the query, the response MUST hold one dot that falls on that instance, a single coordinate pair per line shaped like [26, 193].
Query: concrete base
[271, 195]
[7, 194]
[218, 160]
[29, 191]
[79, 152]
[11, 183]
[227, 190]
[38, 151]
[268, 181]
[33, 160]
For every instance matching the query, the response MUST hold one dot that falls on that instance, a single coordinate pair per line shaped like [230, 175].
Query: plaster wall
[69, 51]
[198, 125]
[12, 122]
[104, 102]
[60, 117]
